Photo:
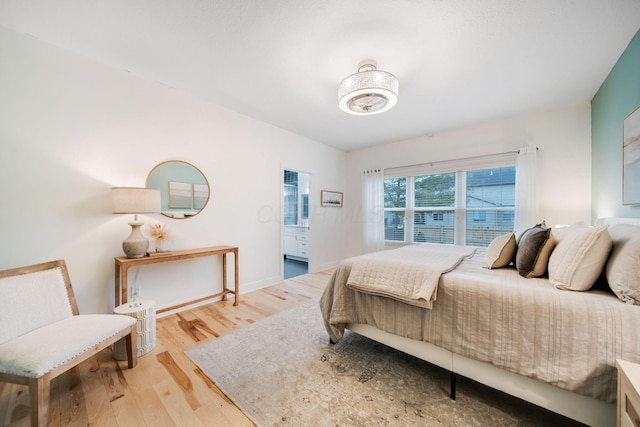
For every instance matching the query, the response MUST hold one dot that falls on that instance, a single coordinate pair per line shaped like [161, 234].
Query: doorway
[295, 217]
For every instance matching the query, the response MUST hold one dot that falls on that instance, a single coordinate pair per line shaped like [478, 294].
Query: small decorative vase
[160, 246]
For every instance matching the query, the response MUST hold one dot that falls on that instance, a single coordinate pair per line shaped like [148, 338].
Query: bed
[545, 339]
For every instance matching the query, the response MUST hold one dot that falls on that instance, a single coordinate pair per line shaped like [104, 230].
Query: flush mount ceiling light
[369, 91]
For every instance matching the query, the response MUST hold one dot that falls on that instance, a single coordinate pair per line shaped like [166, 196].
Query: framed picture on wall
[332, 199]
[631, 158]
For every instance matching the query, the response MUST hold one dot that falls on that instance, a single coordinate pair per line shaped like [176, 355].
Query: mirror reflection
[296, 198]
[184, 190]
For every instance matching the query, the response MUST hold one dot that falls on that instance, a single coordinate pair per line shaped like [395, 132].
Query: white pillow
[623, 267]
[501, 251]
[561, 232]
[579, 257]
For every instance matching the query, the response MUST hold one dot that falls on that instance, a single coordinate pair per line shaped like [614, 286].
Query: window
[467, 207]
[395, 203]
[290, 205]
[305, 206]
[290, 213]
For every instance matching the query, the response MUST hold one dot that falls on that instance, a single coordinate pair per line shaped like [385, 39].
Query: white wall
[564, 160]
[70, 129]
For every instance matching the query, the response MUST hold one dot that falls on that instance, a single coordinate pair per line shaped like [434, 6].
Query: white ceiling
[459, 62]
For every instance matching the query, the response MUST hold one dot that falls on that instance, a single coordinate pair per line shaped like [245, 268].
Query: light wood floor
[166, 388]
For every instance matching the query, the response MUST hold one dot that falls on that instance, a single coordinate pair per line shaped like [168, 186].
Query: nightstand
[628, 394]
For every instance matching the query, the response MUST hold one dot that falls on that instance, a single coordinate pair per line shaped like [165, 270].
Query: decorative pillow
[534, 248]
[502, 251]
[560, 233]
[623, 267]
[579, 257]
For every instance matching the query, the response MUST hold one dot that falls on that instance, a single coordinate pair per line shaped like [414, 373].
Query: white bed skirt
[584, 409]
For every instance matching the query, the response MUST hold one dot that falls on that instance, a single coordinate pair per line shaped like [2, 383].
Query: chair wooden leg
[39, 395]
[131, 344]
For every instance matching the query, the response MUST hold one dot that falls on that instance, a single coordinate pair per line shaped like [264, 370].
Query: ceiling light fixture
[369, 91]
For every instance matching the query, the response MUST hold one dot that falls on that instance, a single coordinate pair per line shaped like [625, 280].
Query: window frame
[459, 208]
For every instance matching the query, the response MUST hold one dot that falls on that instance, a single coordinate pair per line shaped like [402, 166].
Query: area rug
[282, 371]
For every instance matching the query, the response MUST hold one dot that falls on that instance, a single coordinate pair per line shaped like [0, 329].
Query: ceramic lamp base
[136, 245]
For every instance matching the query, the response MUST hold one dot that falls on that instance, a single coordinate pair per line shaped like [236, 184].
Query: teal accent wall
[618, 96]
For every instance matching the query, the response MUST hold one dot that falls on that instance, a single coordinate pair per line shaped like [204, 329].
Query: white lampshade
[367, 92]
[133, 200]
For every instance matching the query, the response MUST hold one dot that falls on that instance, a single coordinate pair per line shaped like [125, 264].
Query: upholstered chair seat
[44, 349]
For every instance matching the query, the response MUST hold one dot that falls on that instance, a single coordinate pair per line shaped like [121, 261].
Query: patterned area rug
[282, 371]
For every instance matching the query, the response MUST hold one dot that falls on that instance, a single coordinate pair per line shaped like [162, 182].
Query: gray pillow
[534, 248]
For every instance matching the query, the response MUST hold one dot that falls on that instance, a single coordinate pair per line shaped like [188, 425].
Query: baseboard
[259, 284]
[323, 267]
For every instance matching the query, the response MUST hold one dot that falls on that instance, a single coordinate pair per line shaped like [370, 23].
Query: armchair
[43, 335]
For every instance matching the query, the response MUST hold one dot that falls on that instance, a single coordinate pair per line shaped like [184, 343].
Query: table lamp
[133, 200]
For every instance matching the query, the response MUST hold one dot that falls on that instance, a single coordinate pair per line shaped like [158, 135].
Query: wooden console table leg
[237, 287]
[125, 292]
[117, 284]
[224, 277]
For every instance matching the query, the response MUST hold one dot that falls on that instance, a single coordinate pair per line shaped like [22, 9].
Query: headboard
[617, 220]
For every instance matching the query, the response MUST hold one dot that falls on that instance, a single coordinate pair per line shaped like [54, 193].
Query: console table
[123, 264]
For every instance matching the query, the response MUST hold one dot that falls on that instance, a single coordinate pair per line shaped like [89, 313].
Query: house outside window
[466, 207]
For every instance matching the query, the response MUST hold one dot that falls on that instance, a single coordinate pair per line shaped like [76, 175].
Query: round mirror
[184, 190]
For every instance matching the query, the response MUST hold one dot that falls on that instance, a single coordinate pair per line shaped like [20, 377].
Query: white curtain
[526, 200]
[373, 210]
